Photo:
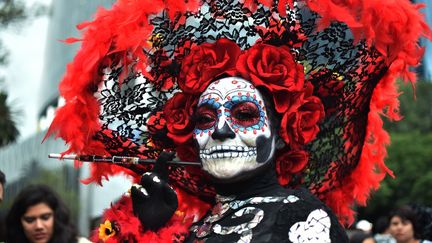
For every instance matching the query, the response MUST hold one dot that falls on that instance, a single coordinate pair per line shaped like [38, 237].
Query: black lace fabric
[343, 71]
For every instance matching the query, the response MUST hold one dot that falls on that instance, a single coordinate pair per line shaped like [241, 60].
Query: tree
[8, 129]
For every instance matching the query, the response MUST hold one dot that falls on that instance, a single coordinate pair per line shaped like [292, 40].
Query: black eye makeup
[245, 114]
[205, 117]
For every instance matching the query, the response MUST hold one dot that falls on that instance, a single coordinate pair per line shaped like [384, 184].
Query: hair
[64, 231]
[2, 178]
[359, 237]
[381, 225]
[407, 213]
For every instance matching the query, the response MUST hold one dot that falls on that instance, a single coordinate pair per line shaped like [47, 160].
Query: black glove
[153, 200]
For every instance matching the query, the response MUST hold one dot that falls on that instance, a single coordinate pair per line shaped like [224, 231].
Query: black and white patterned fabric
[279, 215]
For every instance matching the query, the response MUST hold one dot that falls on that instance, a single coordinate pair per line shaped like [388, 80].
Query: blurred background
[33, 60]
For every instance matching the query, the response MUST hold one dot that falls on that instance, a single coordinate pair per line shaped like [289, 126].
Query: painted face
[233, 130]
[401, 229]
[38, 223]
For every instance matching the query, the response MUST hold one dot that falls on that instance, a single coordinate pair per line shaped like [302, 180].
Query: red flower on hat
[290, 163]
[299, 124]
[178, 112]
[274, 68]
[206, 62]
[263, 65]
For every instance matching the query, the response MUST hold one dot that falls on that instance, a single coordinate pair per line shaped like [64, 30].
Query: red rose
[205, 62]
[178, 112]
[299, 125]
[272, 67]
[290, 163]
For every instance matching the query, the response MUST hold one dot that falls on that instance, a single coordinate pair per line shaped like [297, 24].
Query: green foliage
[8, 128]
[409, 156]
[416, 109]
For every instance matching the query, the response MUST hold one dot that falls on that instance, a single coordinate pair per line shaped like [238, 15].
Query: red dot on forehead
[252, 87]
[234, 81]
[216, 82]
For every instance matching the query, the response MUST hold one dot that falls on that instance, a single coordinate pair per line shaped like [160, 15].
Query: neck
[256, 185]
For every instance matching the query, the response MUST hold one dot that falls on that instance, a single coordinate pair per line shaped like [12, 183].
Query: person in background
[361, 237]
[38, 215]
[404, 226]
[2, 223]
[381, 230]
[2, 183]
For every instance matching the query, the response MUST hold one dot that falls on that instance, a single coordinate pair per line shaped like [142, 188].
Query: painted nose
[223, 133]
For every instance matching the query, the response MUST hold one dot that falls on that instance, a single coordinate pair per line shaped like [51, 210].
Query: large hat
[344, 56]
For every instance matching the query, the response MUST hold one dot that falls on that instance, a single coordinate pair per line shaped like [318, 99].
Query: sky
[24, 71]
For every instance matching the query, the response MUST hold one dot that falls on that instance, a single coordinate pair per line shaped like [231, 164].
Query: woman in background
[404, 226]
[38, 215]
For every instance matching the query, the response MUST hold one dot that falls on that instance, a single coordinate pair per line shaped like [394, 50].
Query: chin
[229, 170]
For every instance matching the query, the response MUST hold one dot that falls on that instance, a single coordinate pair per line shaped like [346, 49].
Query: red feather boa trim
[129, 227]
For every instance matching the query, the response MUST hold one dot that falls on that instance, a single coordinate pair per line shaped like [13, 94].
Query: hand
[153, 200]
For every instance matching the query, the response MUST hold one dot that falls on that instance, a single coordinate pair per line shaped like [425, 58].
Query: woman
[404, 226]
[37, 216]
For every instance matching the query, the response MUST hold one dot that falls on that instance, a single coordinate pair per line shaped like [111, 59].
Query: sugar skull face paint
[232, 129]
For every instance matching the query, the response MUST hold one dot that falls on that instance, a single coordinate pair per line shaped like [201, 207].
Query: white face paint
[231, 115]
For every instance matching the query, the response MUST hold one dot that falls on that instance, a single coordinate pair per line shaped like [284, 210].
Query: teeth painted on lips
[226, 148]
[227, 154]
